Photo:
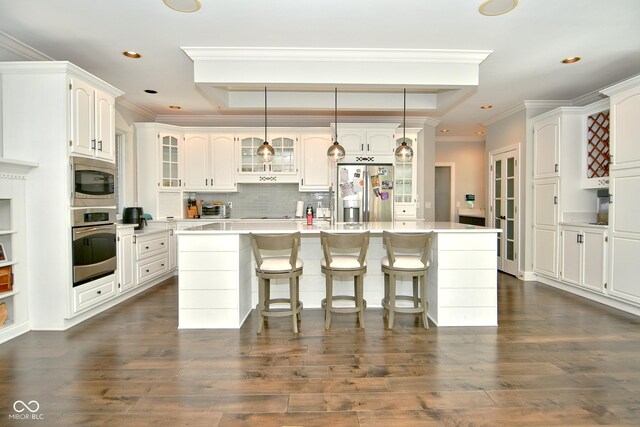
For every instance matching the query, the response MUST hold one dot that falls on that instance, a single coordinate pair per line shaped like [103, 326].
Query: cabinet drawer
[148, 246]
[405, 211]
[91, 295]
[148, 269]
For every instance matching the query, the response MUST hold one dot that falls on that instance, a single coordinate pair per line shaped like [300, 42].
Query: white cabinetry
[152, 255]
[370, 142]
[92, 121]
[13, 239]
[159, 169]
[624, 190]
[93, 294]
[596, 145]
[282, 168]
[557, 179]
[315, 167]
[126, 259]
[405, 191]
[583, 257]
[209, 162]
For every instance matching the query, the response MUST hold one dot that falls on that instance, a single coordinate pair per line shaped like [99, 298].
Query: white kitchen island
[218, 286]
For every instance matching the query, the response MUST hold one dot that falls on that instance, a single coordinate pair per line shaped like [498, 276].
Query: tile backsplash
[265, 199]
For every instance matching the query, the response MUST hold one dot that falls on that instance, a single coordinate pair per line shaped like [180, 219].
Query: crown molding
[524, 105]
[125, 103]
[461, 138]
[17, 47]
[625, 84]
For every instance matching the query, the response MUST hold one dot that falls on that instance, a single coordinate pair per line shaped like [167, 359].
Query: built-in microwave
[93, 182]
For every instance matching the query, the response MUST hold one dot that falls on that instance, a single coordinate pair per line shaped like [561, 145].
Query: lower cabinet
[126, 278]
[152, 255]
[583, 257]
[405, 211]
[94, 293]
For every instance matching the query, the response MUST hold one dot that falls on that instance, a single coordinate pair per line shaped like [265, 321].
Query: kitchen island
[218, 286]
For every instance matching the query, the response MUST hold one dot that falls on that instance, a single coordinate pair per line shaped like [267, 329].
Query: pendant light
[265, 151]
[404, 153]
[336, 151]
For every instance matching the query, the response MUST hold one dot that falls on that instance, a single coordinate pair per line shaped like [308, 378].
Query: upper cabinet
[625, 126]
[282, 168]
[209, 160]
[367, 142]
[92, 121]
[405, 192]
[315, 167]
[169, 160]
[595, 164]
[546, 148]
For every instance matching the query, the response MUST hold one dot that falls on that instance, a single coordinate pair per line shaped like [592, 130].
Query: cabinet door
[315, 166]
[546, 143]
[625, 128]
[354, 142]
[196, 162]
[625, 202]
[82, 118]
[380, 143]
[125, 261]
[250, 163]
[593, 248]
[169, 160]
[545, 252]
[222, 162]
[545, 203]
[105, 126]
[405, 175]
[284, 159]
[571, 255]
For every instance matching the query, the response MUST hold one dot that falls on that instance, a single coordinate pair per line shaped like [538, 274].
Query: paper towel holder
[299, 209]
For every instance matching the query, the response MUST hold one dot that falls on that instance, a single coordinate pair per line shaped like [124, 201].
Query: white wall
[469, 159]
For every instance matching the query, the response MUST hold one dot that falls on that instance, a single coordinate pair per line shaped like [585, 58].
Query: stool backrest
[415, 242]
[345, 241]
[275, 242]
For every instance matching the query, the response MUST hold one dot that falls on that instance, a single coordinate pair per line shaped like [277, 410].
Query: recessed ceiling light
[571, 60]
[486, 107]
[131, 54]
[183, 5]
[480, 132]
[175, 107]
[444, 130]
[150, 91]
[497, 7]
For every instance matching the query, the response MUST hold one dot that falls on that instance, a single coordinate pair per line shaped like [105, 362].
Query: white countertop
[265, 226]
[585, 224]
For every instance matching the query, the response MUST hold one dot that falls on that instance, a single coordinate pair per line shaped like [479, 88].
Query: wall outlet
[457, 204]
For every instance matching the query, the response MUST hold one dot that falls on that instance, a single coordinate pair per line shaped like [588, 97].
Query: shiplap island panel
[218, 287]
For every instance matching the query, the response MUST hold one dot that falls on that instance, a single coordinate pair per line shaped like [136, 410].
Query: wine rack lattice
[598, 145]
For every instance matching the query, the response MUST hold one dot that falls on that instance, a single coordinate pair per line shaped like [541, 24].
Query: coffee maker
[602, 207]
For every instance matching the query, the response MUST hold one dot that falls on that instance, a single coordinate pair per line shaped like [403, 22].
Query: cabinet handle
[556, 169]
[610, 198]
[93, 144]
[368, 147]
[302, 181]
[206, 182]
[179, 183]
[99, 292]
[211, 180]
[555, 200]
[361, 147]
[577, 238]
[100, 145]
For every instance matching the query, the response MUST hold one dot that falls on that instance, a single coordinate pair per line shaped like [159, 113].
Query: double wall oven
[93, 216]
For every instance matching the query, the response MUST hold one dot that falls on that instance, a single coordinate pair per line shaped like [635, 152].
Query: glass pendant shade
[404, 153]
[266, 152]
[335, 152]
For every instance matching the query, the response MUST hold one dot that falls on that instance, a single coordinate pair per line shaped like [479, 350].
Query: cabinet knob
[99, 292]
[146, 247]
[147, 270]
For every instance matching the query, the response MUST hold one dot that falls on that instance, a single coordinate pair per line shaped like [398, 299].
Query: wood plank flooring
[556, 359]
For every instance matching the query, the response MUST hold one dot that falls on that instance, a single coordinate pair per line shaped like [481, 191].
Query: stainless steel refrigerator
[364, 193]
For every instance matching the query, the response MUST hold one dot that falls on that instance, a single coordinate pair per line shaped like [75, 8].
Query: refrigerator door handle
[365, 196]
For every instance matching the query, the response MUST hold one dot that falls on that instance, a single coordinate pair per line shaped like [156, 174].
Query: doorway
[504, 205]
[444, 192]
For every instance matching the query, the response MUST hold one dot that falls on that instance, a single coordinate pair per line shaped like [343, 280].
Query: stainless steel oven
[93, 239]
[93, 182]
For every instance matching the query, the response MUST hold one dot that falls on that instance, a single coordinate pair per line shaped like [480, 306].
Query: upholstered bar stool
[407, 256]
[277, 258]
[344, 256]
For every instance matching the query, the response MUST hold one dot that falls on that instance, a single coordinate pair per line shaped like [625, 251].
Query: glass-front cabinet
[170, 166]
[405, 192]
[283, 166]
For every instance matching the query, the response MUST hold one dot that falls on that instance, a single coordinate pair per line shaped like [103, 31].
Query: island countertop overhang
[266, 226]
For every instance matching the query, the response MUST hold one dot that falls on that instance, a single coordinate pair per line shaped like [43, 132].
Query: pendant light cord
[404, 118]
[265, 114]
[336, 113]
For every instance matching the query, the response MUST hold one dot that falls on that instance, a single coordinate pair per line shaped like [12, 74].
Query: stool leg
[392, 299]
[298, 293]
[329, 301]
[260, 306]
[360, 299]
[385, 300]
[423, 299]
[293, 303]
[415, 291]
[267, 295]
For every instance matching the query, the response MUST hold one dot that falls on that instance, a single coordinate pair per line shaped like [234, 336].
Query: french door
[504, 207]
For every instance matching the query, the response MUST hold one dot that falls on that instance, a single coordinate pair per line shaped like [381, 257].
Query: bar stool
[344, 256]
[407, 256]
[281, 263]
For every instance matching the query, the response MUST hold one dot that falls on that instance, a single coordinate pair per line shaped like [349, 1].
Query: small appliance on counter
[219, 210]
[134, 215]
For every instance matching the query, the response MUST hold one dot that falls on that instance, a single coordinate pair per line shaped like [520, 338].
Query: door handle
[502, 217]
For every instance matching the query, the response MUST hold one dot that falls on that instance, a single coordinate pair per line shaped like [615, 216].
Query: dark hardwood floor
[555, 359]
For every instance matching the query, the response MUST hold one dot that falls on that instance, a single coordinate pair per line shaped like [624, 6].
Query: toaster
[215, 210]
